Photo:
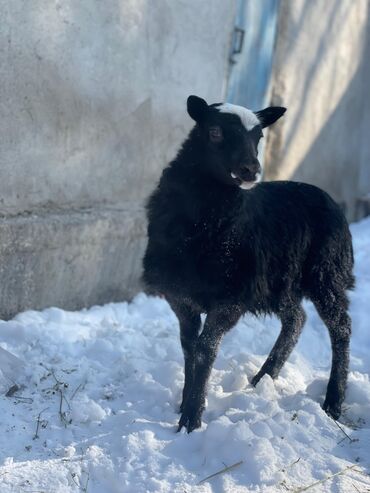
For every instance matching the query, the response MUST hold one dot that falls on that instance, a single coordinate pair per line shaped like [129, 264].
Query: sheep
[223, 243]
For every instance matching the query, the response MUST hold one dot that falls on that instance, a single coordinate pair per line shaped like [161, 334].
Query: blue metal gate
[251, 52]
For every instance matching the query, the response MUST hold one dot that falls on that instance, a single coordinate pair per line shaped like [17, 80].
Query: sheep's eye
[215, 134]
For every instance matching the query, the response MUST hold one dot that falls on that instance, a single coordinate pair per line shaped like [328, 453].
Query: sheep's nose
[250, 170]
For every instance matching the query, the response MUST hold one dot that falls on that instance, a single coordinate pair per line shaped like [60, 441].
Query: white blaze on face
[248, 118]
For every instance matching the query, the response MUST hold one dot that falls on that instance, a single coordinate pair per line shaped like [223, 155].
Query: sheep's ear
[197, 108]
[268, 116]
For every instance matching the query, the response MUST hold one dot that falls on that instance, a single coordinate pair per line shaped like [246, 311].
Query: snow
[97, 406]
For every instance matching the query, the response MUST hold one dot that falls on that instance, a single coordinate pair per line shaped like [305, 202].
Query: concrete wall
[92, 106]
[321, 74]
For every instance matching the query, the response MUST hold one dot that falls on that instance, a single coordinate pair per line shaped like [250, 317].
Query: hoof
[256, 379]
[189, 423]
[333, 410]
[191, 418]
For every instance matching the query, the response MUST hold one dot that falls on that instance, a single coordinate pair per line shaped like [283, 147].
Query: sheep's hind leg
[217, 323]
[332, 308]
[190, 322]
[292, 319]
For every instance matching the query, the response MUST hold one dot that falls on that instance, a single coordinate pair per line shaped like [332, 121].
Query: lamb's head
[231, 135]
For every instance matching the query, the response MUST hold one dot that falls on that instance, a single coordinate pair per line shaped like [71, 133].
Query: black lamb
[223, 244]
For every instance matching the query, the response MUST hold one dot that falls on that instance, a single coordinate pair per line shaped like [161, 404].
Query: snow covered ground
[97, 407]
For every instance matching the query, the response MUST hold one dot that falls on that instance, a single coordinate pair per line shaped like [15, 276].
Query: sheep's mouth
[245, 185]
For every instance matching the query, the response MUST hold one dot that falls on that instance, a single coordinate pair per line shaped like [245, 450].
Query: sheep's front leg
[218, 322]
[189, 320]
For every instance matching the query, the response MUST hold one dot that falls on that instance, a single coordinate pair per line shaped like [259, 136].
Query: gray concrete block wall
[70, 258]
[92, 106]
